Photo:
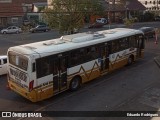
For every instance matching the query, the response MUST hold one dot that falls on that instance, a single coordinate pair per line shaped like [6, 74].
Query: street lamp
[126, 13]
[109, 13]
[126, 7]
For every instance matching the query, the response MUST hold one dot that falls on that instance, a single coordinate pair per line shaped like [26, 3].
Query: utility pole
[157, 8]
[109, 13]
[126, 7]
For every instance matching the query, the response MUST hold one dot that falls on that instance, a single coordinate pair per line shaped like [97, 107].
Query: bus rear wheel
[75, 83]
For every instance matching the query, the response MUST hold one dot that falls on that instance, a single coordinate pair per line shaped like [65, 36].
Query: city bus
[40, 70]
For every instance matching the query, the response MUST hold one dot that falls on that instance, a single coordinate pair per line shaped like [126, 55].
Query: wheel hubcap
[75, 84]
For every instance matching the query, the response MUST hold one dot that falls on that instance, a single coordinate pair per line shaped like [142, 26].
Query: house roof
[135, 5]
[132, 6]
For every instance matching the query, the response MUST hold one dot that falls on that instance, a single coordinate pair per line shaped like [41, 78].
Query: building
[11, 12]
[35, 10]
[152, 5]
[120, 9]
[32, 9]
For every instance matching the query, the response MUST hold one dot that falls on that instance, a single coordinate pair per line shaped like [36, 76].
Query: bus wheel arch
[75, 83]
[130, 59]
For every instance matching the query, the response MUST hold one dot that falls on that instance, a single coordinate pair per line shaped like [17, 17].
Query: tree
[66, 15]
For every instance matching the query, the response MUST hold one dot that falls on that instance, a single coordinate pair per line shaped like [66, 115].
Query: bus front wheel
[75, 83]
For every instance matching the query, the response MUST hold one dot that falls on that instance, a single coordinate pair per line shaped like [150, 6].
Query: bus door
[60, 74]
[140, 46]
[104, 52]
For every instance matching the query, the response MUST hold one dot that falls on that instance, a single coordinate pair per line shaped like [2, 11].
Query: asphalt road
[111, 92]
[10, 40]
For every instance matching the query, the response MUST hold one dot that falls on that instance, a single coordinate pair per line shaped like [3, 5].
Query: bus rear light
[7, 86]
[31, 85]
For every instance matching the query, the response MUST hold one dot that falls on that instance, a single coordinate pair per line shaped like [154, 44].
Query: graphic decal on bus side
[121, 57]
[83, 71]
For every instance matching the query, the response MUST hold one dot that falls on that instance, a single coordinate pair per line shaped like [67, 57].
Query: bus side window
[46, 68]
[63, 65]
[81, 55]
[109, 48]
[123, 43]
[115, 46]
[5, 61]
[88, 54]
[55, 67]
[33, 67]
[94, 52]
[43, 67]
[74, 58]
[132, 41]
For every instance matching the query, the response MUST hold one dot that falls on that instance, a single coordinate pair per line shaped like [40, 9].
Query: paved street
[132, 88]
[10, 40]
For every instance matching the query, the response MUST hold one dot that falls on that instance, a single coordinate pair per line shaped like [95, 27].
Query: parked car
[102, 20]
[157, 18]
[40, 28]
[149, 32]
[11, 29]
[96, 25]
[3, 64]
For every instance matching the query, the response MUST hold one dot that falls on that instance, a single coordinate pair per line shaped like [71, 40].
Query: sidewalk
[157, 60]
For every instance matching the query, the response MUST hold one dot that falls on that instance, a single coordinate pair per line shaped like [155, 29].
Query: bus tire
[75, 83]
[130, 60]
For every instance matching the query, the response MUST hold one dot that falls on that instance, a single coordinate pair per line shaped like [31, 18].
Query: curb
[111, 26]
[157, 61]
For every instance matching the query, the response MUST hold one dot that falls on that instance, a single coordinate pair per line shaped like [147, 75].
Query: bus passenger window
[63, 65]
[4, 61]
[46, 68]
[88, 55]
[115, 46]
[33, 67]
[55, 69]
[94, 52]
[132, 41]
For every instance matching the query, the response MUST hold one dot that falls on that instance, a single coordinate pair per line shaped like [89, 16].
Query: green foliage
[129, 22]
[66, 15]
[148, 16]
[26, 28]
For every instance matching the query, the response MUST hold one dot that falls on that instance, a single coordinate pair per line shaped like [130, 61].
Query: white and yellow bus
[40, 70]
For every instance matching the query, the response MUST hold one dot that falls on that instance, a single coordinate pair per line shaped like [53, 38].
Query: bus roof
[69, 42]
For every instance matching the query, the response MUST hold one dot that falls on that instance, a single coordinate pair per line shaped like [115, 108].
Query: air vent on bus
[29, 47]
[54, 42]
[109, 32]
[90, 32]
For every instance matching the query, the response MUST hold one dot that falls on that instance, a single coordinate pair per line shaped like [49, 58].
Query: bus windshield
[18, 60]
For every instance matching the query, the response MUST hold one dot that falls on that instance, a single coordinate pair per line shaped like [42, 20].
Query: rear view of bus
[20, 74]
